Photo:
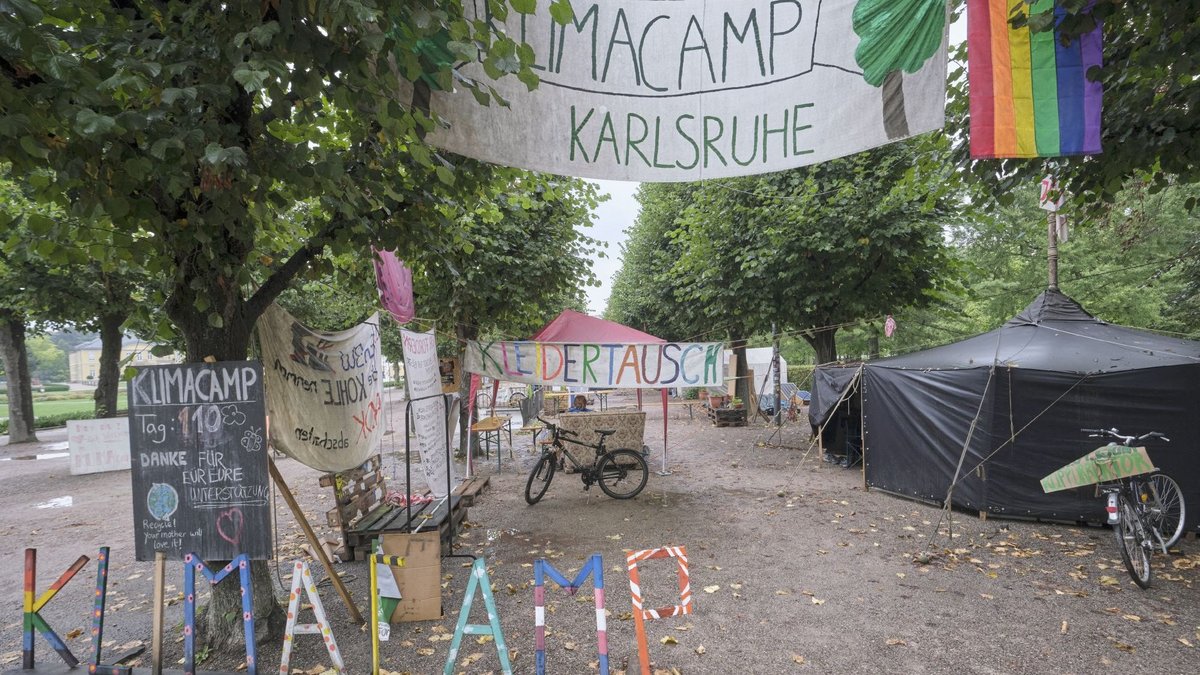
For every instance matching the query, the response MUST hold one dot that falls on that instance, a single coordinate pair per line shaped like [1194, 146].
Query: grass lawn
[41, 408]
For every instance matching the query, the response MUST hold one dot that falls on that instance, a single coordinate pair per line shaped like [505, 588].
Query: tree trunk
[895, 121]
[220, 625]
[824, 343]
[110, 365]
[741, 387]
[873, 346]
[20, 389]
[466, 440]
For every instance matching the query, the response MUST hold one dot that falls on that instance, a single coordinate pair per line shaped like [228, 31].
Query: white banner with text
[424, 383]
[694, 89]
[602, 365]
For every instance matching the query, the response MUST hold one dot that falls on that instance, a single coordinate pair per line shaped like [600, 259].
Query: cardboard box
[420, 580]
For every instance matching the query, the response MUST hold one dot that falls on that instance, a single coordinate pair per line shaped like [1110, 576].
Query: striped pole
[541, 568]
[640, 613]
[302, 579]
[27, 616]
[390, 561]
[95, 667]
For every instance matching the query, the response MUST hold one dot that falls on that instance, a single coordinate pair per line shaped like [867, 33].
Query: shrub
[801, 375]
[52, 421]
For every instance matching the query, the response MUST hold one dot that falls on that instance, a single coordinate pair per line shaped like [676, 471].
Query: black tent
[1010, 404]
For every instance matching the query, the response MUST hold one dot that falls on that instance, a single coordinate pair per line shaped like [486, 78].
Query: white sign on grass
[693, 89]
[98, 445]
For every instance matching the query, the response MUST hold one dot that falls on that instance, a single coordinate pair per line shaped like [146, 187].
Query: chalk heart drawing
[229, 525]
[162, 500]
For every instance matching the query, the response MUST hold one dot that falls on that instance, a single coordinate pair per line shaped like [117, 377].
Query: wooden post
[156, 642]
[312, 539]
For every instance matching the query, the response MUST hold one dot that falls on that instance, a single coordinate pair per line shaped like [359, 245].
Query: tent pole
[778, 388]
[1052, 248]
[664, 471]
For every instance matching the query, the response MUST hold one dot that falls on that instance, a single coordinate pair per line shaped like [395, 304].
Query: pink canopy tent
[572, 326]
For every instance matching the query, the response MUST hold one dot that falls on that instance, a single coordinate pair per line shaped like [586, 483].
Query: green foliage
[47, 362]
[58, 420]
[896, 35]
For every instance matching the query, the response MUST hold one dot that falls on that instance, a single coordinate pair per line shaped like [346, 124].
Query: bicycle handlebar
[1115, 433]
[554, 428]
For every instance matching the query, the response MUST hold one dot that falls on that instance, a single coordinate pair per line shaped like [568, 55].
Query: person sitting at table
[578, 404]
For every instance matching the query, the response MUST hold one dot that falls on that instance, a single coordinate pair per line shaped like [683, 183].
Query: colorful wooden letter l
[302, 582]
[95, 667]
[480, 580]
[192, 564]
[32, 619]
[542, 567]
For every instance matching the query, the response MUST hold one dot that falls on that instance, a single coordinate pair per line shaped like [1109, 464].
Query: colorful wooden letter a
[32, 619]
[192, 564]
[594, 567]
[302, 582]
[641, 615]
[480, 580]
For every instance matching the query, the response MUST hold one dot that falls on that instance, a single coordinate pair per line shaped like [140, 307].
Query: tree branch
[282, 277]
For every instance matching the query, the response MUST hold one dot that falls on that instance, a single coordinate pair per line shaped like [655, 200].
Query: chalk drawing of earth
[162, 500]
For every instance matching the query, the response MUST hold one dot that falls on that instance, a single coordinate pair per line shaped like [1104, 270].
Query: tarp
[694, 89]
[829, 387]
[1057, 369]
[324, 390]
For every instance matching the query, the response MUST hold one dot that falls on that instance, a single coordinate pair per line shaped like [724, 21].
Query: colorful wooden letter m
[192, 564]
[594, 567]
[32, 618]
[640, 614]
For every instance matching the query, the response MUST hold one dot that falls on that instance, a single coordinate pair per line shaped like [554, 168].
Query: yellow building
[85, 358]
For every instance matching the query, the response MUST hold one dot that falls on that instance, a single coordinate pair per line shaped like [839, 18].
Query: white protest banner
[98, 445]
[608, 365]
[324, 390]
[424, 384]
[694, 89]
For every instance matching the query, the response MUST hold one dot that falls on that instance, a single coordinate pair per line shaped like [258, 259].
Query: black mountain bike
[1147, 512]
[621, 473]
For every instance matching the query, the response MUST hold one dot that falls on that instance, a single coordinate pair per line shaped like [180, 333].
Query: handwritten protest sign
[199, 459]
[693, 89]
[424, 382]
[324, 390]
[1103, 464]
[98, 445]
[609, 365]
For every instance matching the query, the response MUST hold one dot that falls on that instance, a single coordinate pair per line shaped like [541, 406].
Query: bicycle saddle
[605, 432]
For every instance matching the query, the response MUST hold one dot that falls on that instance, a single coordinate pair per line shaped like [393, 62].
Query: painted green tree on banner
[896, 35]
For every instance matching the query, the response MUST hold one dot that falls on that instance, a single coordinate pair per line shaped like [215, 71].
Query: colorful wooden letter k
[33, 619]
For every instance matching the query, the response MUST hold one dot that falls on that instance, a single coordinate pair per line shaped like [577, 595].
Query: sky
[609, 222]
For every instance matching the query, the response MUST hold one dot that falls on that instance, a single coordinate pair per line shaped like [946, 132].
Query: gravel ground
[794, 567]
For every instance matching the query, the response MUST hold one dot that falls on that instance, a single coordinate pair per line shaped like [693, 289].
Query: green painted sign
[1103, 464]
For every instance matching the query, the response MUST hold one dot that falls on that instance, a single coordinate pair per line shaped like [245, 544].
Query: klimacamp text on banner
[694, 89]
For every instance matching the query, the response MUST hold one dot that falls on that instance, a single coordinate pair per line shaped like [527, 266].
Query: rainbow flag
[1029, 93]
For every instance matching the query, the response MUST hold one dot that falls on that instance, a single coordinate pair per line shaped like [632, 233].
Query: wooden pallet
[727, 417]
[389, 519]
[471, 489]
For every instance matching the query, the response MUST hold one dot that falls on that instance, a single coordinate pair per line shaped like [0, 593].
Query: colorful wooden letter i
[192, 564]
[32, 619]
[480, 580]
[302, 582]
[95, 667]
[641, 615]
[542, 567]
[373, 624]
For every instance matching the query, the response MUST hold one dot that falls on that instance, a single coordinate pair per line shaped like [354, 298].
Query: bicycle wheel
[622, 473]
[1131, 539]
[514, 401]
[539, 478]
[1169, 514]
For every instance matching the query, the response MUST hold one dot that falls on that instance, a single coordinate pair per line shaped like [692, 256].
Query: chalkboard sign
[199, 460]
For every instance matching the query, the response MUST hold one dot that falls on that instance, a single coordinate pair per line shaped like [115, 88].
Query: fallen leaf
[425, 651]
[484, 639]
[569, 646]
[817, 601]
[986, 596]
[894, 642]
[74, 633]
[701, 649]
[1132, 617]
[797, 659]
[669, 640]
[1109, 581]
[1185, 642]
[1124, 647]
[712, 589]
[472, 658]
[1063, 629]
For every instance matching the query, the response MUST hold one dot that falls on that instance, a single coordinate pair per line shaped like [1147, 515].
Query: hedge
[53, 421]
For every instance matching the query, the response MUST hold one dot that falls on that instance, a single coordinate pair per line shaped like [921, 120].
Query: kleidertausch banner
[606, 365]
[694, 89]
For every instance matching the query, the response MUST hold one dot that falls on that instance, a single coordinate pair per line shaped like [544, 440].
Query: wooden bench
[361, 514]
[489, 430]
